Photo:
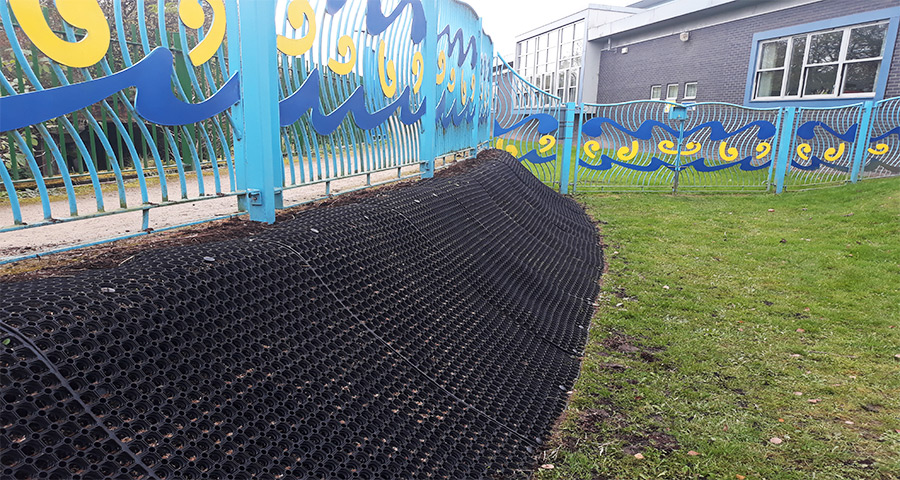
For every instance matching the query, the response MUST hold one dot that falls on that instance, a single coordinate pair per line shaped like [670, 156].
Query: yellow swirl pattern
[346, 48]
[803, 150]
[627, 154]
[442, 66]
[296, 11]
[726, 153]
[463, 93]
[84, 14]
[591, 148]
[763, 149]
[387, 73]
[692, 148]
[880, 149]
[547, 143]
[452, 85]
[193, 16]
[667, 147]
[833, 154]
[509, 148]
[418, 68]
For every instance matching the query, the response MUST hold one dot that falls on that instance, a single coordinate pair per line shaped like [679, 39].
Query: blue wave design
[154, 101]
[307, 97]
[808, 131]
[594, 128]
[376, 22]
[546, 124]
[655, 164]
[535, 158]
[446, 115]
[816, 163]
[459, 39]
[894, 131]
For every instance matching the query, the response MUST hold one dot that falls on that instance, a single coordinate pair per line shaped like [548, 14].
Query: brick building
[758, 53]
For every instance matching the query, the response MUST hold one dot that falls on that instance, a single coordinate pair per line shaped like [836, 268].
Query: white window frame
[669, 89]
[692, 97]
[841, 63]
[658, 95]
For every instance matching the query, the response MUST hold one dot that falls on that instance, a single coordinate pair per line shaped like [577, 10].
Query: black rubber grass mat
[430, 331]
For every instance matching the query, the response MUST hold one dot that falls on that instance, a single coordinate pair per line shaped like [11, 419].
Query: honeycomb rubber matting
[427, 331]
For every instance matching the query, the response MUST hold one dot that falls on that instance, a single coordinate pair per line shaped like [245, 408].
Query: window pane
[565, 63]
[542, 41]
[866, 42]
[798, 49]
[656, 92]
[577, 48]
[820, 80]
[573, 77]
[690, 90]
[579, 29]
[672, 91]
[860, 77]
[825, 48]
[769, 84]
[576, 61]
[568, 32]
[565, 51]
[773, 54]
[572, 95]
[551, 57]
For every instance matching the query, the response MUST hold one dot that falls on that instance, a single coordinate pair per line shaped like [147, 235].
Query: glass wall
[552, 60]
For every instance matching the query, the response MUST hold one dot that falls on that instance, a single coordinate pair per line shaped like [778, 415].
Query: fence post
[257, 146]
[429, 91]
[568, 128]
[862, 141]
[477, 101]
[784, 148]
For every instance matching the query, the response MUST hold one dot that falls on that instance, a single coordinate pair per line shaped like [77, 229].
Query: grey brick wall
[716, 57]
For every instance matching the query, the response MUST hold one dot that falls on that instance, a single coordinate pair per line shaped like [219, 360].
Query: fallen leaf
[795, 355]
[740, 329]
[725, 428]
[807, 308]
[741, 477]
[693, 453]
[548, 466]
[781, 420]
[665, 287]
[776, 441]
[814, 400]
[638, 456]
[800, 330]
[798, 394]
[771, 209]
[848, 422]
[897, 356]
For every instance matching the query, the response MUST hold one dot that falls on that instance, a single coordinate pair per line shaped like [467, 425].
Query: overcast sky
[504, 19]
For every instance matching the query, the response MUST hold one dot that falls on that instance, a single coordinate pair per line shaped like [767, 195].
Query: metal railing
[710, 146]
[118, 106]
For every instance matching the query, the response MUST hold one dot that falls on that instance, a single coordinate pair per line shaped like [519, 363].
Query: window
[656, 92]
[825, 64]
[553, 60]
[690, 90]
[672, 92]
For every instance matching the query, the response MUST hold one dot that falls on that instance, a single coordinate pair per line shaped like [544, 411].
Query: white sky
[504, 19]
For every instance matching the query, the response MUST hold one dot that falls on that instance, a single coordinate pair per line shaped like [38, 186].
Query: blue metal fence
[710, 146]
[136, 105]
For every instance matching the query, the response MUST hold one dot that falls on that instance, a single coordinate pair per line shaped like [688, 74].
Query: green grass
[715, 313]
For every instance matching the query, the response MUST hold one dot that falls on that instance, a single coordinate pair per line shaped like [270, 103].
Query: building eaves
[660, 13]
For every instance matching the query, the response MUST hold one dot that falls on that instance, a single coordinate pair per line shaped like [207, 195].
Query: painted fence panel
[110, 106]
[664, 146]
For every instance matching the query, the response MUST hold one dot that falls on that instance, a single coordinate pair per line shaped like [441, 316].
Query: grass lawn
[732, 342]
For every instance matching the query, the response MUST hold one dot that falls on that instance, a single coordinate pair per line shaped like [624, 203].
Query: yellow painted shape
[627, 154]
[464, 91]
[347, 49]
[193, 16]
[387, 74]
[692, 148]
[547, 142]
[803, 150]
[667, 147]
[726, 153]
[452, 85]
[880, 149]
[832, 154]
[297, 10]
[591, 148]
[763, 149]
[418, 68]
[509, 148]
[85, 14]
[473, 87]
[442, 67]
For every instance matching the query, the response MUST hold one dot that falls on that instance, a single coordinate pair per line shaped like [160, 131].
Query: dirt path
[67, 234]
